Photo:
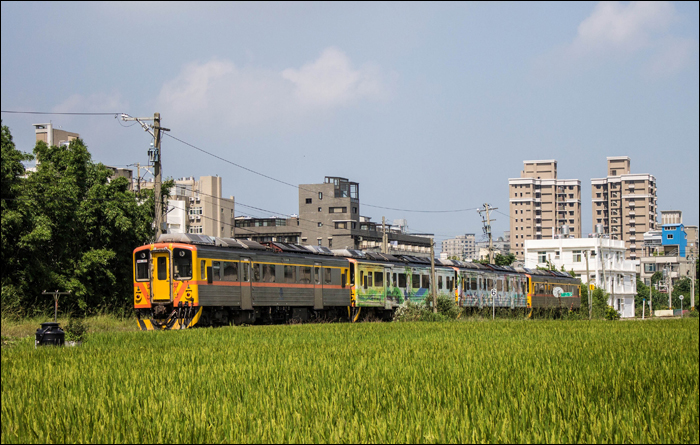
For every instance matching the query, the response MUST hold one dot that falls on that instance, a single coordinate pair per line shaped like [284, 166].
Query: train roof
[279, 247]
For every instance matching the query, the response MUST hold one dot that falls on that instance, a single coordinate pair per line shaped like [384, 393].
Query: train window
[268, 273]
[182, 264]
[256, 272]
[305, 274]
[388, 279]
[216, 270]
[402, 280]
[395, 282]
[230, 271]
[343, 278]
[415, 281]
[363, 279]
[450, 283]
[499, 284]
[489, 283]
[439, 281]
[290, 275]
[425, 281]
[245, 266]
[142, 268]
[203, 270]
[379, 279]
[162, 268]
[317, 275]
[370, 282]
[326, 275]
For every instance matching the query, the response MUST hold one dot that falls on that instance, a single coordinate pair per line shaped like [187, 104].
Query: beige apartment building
[53, 136]
[462, 247]
[542, 206]
[197, 206]
[625, 205]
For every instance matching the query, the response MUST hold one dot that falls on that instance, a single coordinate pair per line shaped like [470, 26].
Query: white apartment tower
[625, 205]
[542, 206]
[462, 247]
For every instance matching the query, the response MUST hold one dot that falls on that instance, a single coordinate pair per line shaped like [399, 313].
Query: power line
[60, 113]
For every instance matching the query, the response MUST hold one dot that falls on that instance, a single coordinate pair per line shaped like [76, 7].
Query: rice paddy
[472, 381]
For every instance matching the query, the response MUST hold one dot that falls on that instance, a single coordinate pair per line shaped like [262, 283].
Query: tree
[77, 232]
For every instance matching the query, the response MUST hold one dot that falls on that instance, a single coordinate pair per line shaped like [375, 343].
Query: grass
[14, 329]
[502, 381]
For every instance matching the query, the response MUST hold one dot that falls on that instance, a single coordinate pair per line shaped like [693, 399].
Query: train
[187, 280]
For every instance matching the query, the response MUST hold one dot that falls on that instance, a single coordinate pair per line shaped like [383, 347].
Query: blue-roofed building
[673, 238]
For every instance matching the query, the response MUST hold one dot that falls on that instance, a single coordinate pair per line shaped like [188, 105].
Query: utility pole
[487, 228]
[55, 300]
[588, 289]
[155, 159]
[692, 283]
[432, 275]
[385, 247]
[669, 286]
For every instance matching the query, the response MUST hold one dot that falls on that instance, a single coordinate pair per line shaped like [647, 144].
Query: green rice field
[468, 381]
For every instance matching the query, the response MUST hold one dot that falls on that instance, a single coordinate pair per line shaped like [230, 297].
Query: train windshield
[182, 264]
[143, 260]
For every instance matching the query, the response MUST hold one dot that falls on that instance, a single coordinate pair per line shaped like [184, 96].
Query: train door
[388, 300]
[246, 283]
[161, 278]
[318, 287]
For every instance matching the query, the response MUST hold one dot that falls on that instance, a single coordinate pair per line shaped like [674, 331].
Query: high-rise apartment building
[625, 204]
[198, 207]
[542, 206]
[463, 247]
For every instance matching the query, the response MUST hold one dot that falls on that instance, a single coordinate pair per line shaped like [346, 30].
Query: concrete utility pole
[487, 228]
[385, 247]
[669, 286]
[588, 289]
[155, 159]
[692, 283]
[432, 275]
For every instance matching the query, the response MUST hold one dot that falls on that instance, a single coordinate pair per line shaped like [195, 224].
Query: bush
[76, 330]
[611, 313]
[446, 310]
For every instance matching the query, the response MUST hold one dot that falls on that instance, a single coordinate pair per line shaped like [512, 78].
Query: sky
[430, 107]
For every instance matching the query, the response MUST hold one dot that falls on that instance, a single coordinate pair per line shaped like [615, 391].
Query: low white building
[176, 216]
[606, 267]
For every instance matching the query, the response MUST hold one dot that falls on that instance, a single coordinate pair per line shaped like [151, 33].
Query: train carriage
[185, 280]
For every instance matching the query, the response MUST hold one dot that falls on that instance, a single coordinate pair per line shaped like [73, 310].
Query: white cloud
[614, 27]
[617, 32]
[225, 94]
[331, 81]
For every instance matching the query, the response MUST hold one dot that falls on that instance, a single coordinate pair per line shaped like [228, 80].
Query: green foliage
[447, 309]
[68, 228]
[512, 381]
[499, 260]
[76, 330]
[611, 313]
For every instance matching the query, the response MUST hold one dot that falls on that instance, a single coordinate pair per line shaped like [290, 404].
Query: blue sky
[429, 106]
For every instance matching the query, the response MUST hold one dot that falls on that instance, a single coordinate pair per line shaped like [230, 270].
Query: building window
[320, 196]
[330, 244]
[319, 209]
[541, 257]
[308, 200]
[354, 210]
[341, 225]
[337, 209]
[577, 256]
[320, 224]
[320, 241]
